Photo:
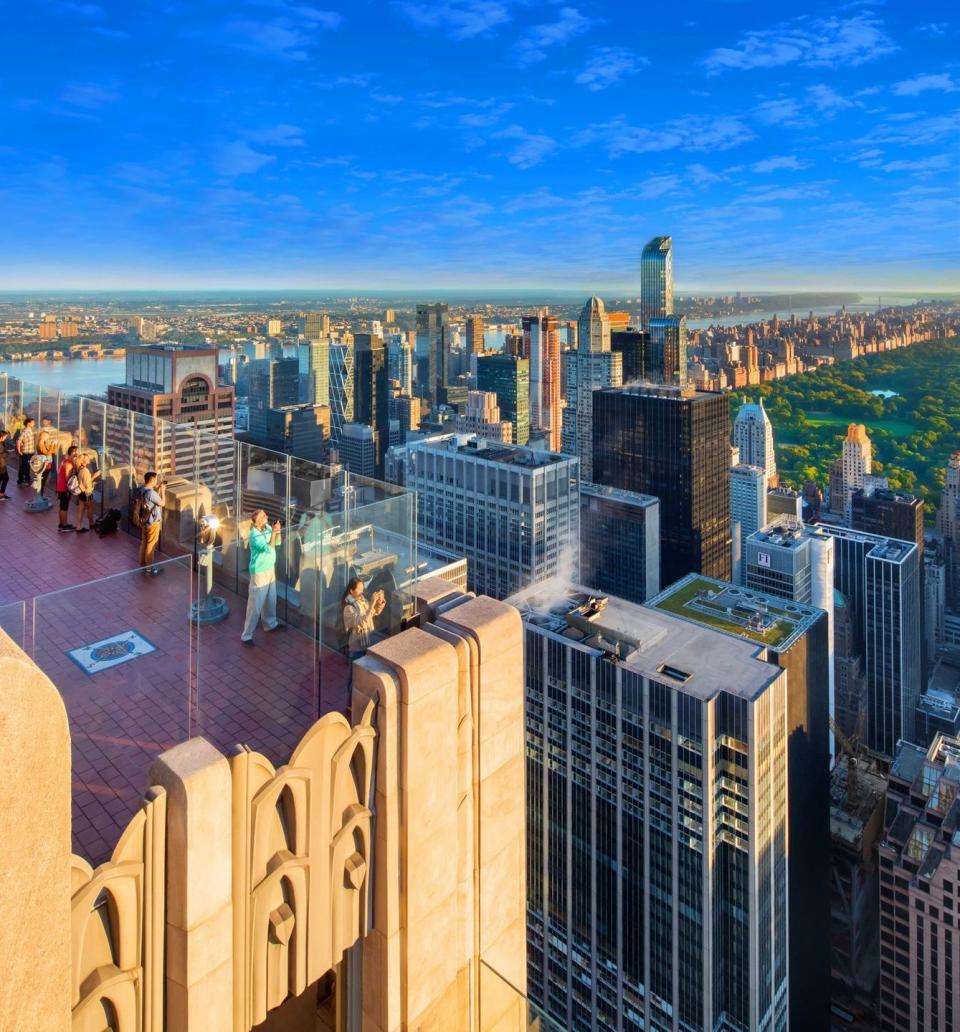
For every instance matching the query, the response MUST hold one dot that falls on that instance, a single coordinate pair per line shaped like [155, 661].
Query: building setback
[673, 444]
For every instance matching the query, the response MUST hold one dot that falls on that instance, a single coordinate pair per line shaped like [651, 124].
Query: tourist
[85, 482]
[150, 502]
[4, 475]
[262, 593]
[26, 446]
[47, 442]
[64, 472]
[358, 617]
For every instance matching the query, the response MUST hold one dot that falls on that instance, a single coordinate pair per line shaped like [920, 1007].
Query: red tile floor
[199, 681]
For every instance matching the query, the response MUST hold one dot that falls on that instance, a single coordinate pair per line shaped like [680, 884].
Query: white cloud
[530, 148]
[942, 82]
[239, 158]
[826, 99]
[690, 133]
[541, 39]
[282, 135]
[88, 95]
[914, 130]
[814, 42]
[608, 65]
[282, 37]
[461, 19]
[786, 163]
[703, 176]
[777, 112]
[658, 186]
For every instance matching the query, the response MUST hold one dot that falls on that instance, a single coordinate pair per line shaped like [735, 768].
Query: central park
[909, 401]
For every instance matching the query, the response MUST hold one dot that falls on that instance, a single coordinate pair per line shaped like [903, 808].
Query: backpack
[73, 484]
[139, 509]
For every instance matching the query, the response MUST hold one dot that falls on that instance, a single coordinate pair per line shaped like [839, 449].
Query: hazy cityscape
[480, 494]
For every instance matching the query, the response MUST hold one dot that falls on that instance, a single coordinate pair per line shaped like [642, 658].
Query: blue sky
[274, 143]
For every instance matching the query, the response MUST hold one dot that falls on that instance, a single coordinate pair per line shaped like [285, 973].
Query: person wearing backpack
[65, 472]
[82, 483]
[26, 446]
[147, 515]
[47, 447]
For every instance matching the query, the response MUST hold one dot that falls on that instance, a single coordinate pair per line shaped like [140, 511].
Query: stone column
[34, 848]
[199, 923]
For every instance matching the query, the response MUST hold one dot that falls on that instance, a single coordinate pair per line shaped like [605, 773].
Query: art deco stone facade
[375, 882]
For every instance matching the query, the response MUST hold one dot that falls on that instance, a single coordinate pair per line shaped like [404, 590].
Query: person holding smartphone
[358, 615]
[262, 595]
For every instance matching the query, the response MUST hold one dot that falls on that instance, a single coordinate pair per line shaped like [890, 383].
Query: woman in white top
[358, 615]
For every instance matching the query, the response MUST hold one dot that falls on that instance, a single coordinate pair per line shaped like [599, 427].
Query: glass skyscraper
[656, 820]
[509, 378]
[668, 350]
[656, 280]
[433, 326]
[674, 445]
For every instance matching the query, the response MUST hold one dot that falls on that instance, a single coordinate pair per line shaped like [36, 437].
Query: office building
[400, 361]
[405, 410]
[880, 578]
[753, 436]
[948, 523]
[541, 344]
[920, 889]
[476, 344]
[667, 355]
[508, 377]
[674, 445]
[795, 637]
[592, 366]
[857, 464]
[273, 383]
[315, 325]
[482, 417]
[886, 513]
[172, 384]
[342, 362]
[784, 501]
[314, 369]
[656, 281]
[633, 346]
[619, 542]
[274, 327]
[654, 868]
[512, 512]
[358, 448]
[849, 679]
[748, 510]
[371, 393]
[300, 430]
[433, 329]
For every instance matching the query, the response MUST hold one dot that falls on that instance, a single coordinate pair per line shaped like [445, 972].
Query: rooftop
[741, 612]
[696, 659]
[617, 494]
[480, 448]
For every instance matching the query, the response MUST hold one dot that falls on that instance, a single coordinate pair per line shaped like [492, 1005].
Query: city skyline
[284, 145]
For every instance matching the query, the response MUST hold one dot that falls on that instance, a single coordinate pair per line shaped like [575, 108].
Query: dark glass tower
[634, 346]
[509, 378]
[673, 444]
[371, 393]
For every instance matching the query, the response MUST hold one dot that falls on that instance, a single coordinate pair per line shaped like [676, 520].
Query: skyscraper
[432, 328]
[919, 859]
[634, 347]
[341, 387]
[857, 456]
[886, 513]
[795, 637]
[400, 362]
[880, 578]
[753, 436]
[619, 542]
[541, 343]
[656, 819]
[371, 393]
[475, 336]
[656, 280]
[482, 417]
[667, 362]
[514, 513]
[592, 366]
[948, 523]
[314, 365]
[273, 383]
[508, 377]
[316, 325]
[674, 445]
[748, 510]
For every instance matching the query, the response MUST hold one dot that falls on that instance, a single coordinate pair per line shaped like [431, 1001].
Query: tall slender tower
[592, 366]
[541, 344]
[753, 435]
[656, 280]
[948, 523]
[857, 464]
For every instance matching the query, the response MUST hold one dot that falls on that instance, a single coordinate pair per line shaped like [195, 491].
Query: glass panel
[120, 652]
[13, 622]
[505, 1007]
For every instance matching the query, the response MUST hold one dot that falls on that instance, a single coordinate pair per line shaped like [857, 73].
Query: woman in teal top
[262, 596]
